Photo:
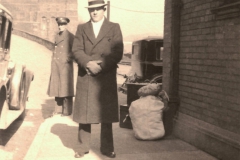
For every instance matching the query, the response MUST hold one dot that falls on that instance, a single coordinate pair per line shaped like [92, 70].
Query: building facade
[37, 17]
[202, 73]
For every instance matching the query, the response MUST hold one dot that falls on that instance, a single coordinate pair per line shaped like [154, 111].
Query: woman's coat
[96, 96]
[61, 78]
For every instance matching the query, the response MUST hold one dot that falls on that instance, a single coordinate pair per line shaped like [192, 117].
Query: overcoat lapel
[88, 30]
[59, 39]
[65, 34]
[106, 26]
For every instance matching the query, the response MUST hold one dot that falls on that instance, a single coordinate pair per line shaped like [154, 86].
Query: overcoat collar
[88, 30]
[60, 38]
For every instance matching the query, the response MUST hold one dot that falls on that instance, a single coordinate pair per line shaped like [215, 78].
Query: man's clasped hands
[93, 67]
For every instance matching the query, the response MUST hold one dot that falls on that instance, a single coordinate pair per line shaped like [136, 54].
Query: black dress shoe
[109, 154]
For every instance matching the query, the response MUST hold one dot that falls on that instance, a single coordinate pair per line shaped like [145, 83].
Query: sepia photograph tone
[120, 79]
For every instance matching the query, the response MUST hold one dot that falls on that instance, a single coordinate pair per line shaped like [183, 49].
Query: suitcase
[125, 120]
[132, 89]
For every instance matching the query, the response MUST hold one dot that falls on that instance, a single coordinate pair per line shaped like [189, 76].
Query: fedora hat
[95, 3]
[62, 20]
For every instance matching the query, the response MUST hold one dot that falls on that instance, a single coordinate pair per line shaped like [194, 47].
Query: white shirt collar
[97, 26]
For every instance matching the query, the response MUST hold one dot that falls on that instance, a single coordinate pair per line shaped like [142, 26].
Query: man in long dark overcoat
[97, 48]
[61, 79]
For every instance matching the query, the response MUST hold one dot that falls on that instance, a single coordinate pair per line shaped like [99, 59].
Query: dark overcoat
[96, 98]
[61, 78]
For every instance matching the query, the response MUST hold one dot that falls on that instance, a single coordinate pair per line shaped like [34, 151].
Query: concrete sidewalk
[56, 139]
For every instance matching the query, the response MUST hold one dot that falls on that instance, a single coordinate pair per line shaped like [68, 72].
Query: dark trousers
[66, 103]
[106, 137]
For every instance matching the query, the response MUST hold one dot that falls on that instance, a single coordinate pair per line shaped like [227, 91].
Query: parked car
[15, 78]
[146, 62]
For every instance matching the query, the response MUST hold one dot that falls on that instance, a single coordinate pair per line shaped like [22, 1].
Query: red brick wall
[209, 64]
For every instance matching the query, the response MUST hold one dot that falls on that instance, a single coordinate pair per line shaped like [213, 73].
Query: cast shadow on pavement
[67, 134]
[48, 108]
[7, 134]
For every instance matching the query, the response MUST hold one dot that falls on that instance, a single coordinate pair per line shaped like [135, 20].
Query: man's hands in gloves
[93, 67]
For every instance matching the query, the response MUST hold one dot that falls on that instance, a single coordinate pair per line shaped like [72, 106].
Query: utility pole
[108, 10]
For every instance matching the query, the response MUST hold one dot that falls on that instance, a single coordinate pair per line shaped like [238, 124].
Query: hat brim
[96, 5]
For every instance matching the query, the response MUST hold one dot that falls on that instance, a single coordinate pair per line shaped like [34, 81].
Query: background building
[37, 17]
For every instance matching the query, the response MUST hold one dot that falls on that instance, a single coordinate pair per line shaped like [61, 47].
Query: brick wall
[209, 79]
[38, 16]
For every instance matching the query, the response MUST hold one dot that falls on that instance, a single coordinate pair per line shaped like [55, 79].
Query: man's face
[96, 13]
[62, 26]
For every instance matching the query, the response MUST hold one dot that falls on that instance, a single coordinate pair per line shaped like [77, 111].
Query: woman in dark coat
[97, 55]
[61, 79]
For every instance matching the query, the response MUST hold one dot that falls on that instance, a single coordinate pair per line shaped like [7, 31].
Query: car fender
[15, 84]
[28, 77]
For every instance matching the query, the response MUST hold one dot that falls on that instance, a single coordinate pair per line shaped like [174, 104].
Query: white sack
[146, 116]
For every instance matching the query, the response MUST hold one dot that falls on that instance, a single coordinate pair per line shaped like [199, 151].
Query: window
[8, 35]
[135, 52]
[159, 51]
[5, 32]
[2, 21]
[135, 49]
